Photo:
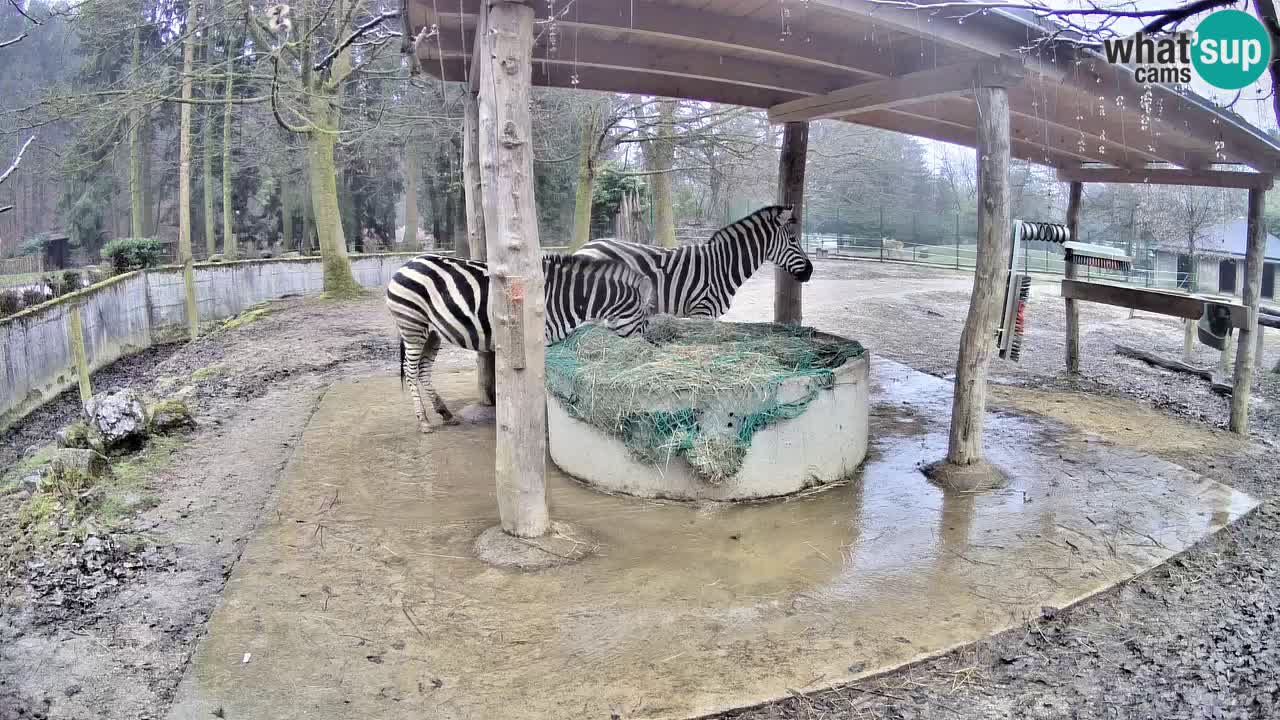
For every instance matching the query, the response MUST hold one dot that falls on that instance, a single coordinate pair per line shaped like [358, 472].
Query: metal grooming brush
[1013, 325]
[1097, 256]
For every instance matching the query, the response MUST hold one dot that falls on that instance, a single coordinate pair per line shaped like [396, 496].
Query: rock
[170, 414]
[119, 418]
[75, 435]
[216, 258]
[292, 254]
[72, 471]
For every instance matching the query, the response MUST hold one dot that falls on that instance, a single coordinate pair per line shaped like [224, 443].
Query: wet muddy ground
[1194, 638]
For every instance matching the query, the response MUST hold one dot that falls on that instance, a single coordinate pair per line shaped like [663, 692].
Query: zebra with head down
[436, 297]
[700, 280]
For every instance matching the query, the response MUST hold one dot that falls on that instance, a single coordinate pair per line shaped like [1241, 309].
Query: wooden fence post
[473, 197]
[1069, 272]
[990, 275]
[1251, 296]
[787, 305]
[516, 300]
[75, 336]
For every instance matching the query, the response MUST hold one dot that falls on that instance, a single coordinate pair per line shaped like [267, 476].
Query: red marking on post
[517, 288]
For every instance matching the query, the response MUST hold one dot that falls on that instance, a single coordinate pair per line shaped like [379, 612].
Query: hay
[698, 389]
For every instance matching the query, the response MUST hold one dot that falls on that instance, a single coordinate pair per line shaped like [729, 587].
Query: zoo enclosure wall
[133, 311]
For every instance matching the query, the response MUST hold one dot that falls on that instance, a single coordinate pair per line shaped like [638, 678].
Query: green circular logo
[1231, 49]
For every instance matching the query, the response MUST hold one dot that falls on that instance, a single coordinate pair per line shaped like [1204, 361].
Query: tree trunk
[1251, 296]
[322, 178]
[516, 301]
[660, 153]
[586, 176]
[229, 245]
[473, 199]
[411, 173]
[184, 170]
[286, 217]
[137, 204]
[1069, 271]
[787, 306]
[970, 400]
[150, 203]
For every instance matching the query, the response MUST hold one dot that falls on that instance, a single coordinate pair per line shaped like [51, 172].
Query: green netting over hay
[699, 389]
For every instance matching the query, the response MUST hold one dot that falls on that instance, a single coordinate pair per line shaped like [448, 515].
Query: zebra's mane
[770, 212]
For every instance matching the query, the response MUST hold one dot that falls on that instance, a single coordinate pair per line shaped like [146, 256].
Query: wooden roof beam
[966, 135]
[902, 90]
[1168, 176]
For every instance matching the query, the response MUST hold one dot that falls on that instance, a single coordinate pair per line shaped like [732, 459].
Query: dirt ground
[1195, 638]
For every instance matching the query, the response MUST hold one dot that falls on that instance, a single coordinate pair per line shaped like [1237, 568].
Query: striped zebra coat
[436, 297]
[700, 280]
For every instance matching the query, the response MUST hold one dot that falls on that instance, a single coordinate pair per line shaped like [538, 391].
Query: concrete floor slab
[358, 596]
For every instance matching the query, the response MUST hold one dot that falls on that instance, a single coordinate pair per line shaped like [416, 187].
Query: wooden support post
[787, 306]
[1251, 295]
[1188, 339]
[516, 300]
[474, 200]
[75, 335]
[1069, 271]
[990, 275]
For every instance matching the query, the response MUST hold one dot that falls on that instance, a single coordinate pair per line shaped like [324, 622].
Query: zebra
[437, 297]
[699, 280]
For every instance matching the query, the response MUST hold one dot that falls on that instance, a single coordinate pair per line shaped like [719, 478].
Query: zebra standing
[700, 280]
[435, 297]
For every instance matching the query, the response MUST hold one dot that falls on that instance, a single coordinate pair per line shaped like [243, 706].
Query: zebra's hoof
[452, 421]
[426, 428]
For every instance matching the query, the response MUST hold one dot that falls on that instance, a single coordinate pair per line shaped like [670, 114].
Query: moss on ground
[206, 373]
[253, 314]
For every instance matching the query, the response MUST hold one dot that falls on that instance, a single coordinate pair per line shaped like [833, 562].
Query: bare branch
[359, 32]
[17, 161]
[22, 12]
[14, 41]
[275, 105]
[6, 208]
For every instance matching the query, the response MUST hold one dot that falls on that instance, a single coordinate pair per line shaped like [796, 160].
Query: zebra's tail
[401, 363]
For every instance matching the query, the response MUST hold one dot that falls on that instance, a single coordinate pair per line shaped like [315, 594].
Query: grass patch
[253, 314]
[206, 373]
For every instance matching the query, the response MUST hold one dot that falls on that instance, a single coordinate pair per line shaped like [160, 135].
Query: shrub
[127, 254]
[32, 297]
[10, 302]
[71, 281]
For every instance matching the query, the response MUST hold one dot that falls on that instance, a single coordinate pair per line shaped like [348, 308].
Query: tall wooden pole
[1069, 270]
[516, 301]
[474, 200]
[1251, 295]
[990, 274]
[184, 176]
[795, 148]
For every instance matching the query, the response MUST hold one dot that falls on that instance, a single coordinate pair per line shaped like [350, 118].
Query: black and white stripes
[435, 297]
[700, 280]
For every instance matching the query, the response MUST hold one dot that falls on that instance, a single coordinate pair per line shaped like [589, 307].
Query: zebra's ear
[787, 213]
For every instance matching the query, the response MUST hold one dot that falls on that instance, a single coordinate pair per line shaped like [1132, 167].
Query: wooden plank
[75, 337]
[515, 265]
[1168, 176]
[990, 276]
[1251, 294]
[1161, 302]
[787, 306]
[1073, 312]
[473, 201]
[879, 94]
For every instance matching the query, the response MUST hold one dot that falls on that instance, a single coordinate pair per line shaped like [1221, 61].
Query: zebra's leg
[424, 371]
[413, 348]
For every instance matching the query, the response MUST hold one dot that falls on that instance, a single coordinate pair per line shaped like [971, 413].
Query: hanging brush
[1097, 256]
[1020, 323]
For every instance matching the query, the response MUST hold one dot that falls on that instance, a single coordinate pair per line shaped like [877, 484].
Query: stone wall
[127, 313]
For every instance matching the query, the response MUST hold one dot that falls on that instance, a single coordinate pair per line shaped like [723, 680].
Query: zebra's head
[782, 244]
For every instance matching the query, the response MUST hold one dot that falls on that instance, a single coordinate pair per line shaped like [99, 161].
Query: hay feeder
[705, 410]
